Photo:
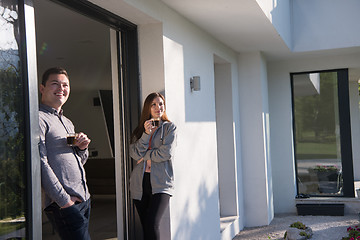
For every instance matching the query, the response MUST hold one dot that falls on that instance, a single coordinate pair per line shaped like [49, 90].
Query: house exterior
[236, 161]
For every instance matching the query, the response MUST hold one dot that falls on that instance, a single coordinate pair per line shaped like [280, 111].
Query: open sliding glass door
[126, 110]
[20, 194]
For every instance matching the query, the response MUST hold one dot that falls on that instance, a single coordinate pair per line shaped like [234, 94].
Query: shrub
[298, 225]
[354, 233]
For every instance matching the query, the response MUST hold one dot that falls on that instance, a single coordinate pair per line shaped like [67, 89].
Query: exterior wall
[308, 25]
[279, 14]
[187, 51]
[151, 58]
[282, 150]
[319, 25]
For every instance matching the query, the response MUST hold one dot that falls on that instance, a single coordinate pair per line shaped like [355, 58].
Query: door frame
[127, 103]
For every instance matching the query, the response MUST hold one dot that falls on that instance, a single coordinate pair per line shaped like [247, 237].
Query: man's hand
[82, 141]
[72, 201]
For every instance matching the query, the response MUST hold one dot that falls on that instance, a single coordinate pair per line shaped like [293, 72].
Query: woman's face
[157, 108]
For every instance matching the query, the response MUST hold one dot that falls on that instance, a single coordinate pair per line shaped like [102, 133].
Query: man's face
[56, 91]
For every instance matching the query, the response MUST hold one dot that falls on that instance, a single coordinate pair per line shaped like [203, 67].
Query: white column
[281, 132]
[355, 126]
[254, 109]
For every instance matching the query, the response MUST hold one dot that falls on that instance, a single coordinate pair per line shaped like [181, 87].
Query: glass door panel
[317, 134]
[12, 152]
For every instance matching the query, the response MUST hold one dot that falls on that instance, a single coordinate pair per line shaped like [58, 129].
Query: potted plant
[328, 178]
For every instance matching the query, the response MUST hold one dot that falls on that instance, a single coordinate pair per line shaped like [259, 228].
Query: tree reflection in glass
[12, 195]
[317, 135]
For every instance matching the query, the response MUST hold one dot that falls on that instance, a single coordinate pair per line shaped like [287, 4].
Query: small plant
[298, 225]
[354, 233]
[326, 168]
[304, 234]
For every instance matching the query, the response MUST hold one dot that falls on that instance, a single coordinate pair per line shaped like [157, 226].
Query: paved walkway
[324, 227]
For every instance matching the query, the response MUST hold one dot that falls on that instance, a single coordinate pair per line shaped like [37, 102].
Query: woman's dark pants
[151, 209]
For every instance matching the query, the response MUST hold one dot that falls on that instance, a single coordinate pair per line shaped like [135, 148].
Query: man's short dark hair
[54, 70]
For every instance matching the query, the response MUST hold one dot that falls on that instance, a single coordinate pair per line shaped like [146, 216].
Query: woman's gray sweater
[161, 155]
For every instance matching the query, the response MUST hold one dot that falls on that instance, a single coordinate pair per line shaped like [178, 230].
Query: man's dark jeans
[72, 222]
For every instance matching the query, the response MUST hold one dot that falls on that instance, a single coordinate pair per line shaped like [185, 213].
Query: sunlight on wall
[196, 182]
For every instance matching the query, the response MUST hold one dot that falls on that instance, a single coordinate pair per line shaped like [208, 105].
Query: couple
[67, 198]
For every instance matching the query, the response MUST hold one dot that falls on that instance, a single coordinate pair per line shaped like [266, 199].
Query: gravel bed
[324, 227]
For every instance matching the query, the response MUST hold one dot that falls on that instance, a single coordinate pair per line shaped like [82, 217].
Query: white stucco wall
[325, 25]
[151, 54]
[279, 14]
[307, 25]
[282, 152]
[189, 52]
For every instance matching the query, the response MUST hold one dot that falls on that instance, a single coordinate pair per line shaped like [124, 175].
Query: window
[322, 133]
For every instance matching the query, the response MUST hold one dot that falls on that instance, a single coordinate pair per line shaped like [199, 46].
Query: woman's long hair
[146, 115]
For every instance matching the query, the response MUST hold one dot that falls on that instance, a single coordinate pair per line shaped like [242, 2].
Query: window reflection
[12, 195]
[317, 134]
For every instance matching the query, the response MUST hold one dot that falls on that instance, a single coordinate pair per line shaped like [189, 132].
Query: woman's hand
[148, 126]
[139, 161]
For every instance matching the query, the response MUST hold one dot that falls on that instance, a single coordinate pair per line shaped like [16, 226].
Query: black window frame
[345, 130]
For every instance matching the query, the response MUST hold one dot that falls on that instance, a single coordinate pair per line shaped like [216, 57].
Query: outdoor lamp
[195, 83]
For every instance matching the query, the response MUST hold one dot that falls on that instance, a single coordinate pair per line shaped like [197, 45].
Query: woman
[152, 180]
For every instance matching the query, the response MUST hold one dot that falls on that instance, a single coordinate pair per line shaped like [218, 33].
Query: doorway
[70, 35]
[228, 201]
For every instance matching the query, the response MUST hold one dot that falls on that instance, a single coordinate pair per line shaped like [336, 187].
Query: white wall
[279, 14]
[325, 25]
[307, 25]
[195, 206]
[282, 152]
[151, 55]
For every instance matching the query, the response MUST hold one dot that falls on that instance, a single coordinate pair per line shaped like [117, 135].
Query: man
[67, 198]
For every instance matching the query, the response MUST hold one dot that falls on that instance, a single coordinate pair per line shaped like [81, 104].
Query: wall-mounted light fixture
[195, 83]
